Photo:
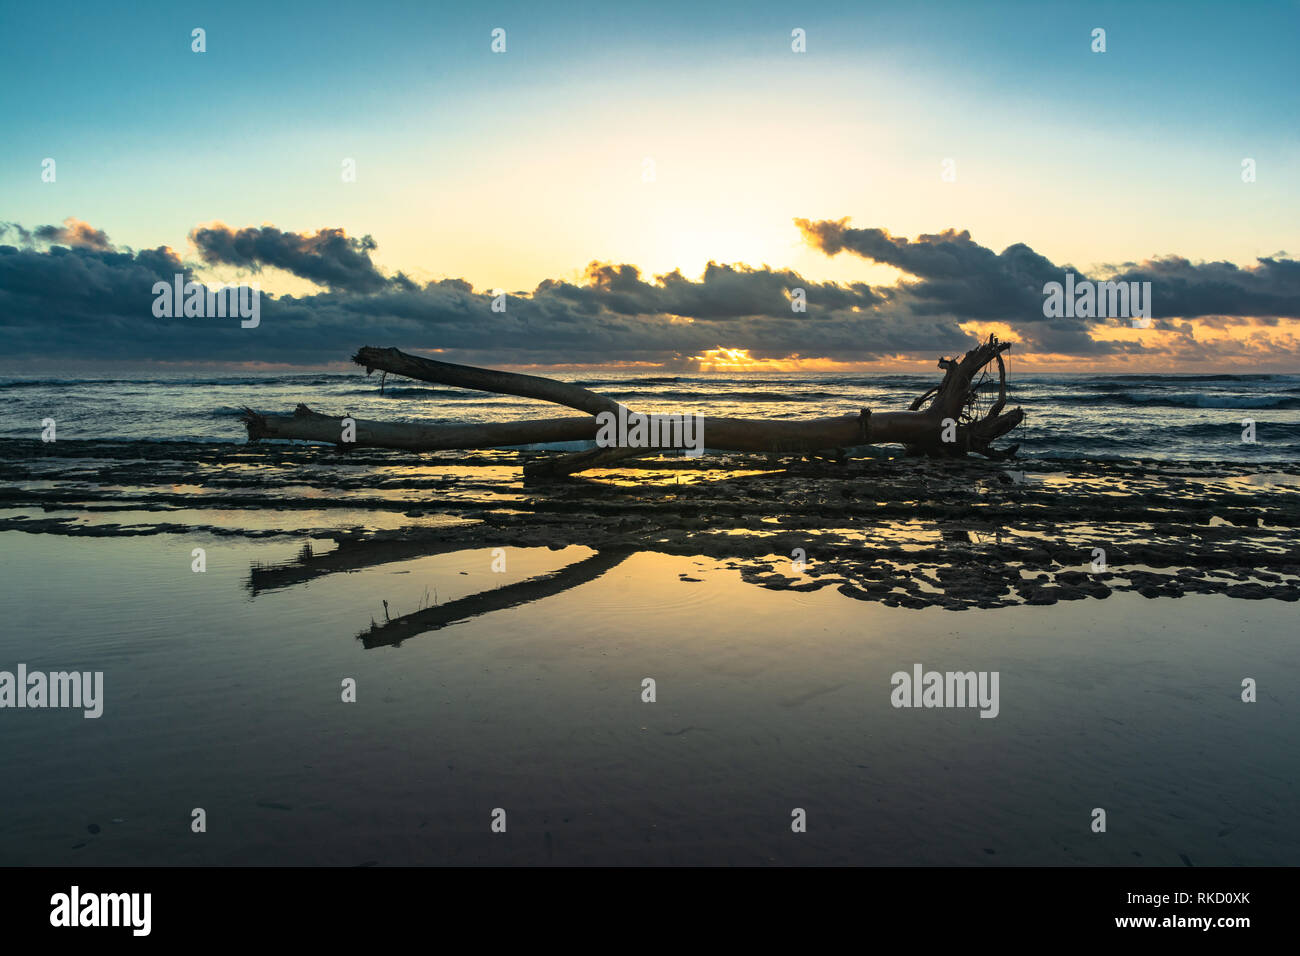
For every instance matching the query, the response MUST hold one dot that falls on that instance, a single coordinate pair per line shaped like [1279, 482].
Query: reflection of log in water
[392, 633]
[355, 556]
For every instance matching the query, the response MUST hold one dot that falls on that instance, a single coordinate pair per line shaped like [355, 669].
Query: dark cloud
[12, 228]
[959, 276]
[73, 233]
[86, 303]
[82, 302]
[84, 299]
[723, 292]
[330, 257]
[1181, 289]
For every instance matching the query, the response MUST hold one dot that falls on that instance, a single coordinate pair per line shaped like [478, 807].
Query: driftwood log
[946, 421]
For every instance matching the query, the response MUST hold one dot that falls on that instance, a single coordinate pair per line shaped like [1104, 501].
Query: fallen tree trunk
[954, 400]
[722, 434]
[949, 425]
[306, 425]
[484, 379]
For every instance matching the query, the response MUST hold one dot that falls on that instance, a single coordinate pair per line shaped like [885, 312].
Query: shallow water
[228, 699]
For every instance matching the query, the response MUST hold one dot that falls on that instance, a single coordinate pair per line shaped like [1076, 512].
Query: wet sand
[521, 688]
[766, 701]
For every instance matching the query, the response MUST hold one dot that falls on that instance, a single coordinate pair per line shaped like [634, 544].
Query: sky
[648, 182]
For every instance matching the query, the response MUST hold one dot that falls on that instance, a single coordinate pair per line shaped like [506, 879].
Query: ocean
[1174, 417]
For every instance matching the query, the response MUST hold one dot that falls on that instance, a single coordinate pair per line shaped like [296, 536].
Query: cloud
[723, 292]
[958, 275]
[330, 257]
[81, 301]
[24, 235]
[1179, 288]
[73, 233]
[83, 298]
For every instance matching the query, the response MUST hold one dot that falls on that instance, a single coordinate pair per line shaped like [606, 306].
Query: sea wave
[1186, 400]
[722, 395]
[268, 381]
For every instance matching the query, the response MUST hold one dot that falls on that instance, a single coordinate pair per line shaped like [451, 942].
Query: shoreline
[915, 533]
